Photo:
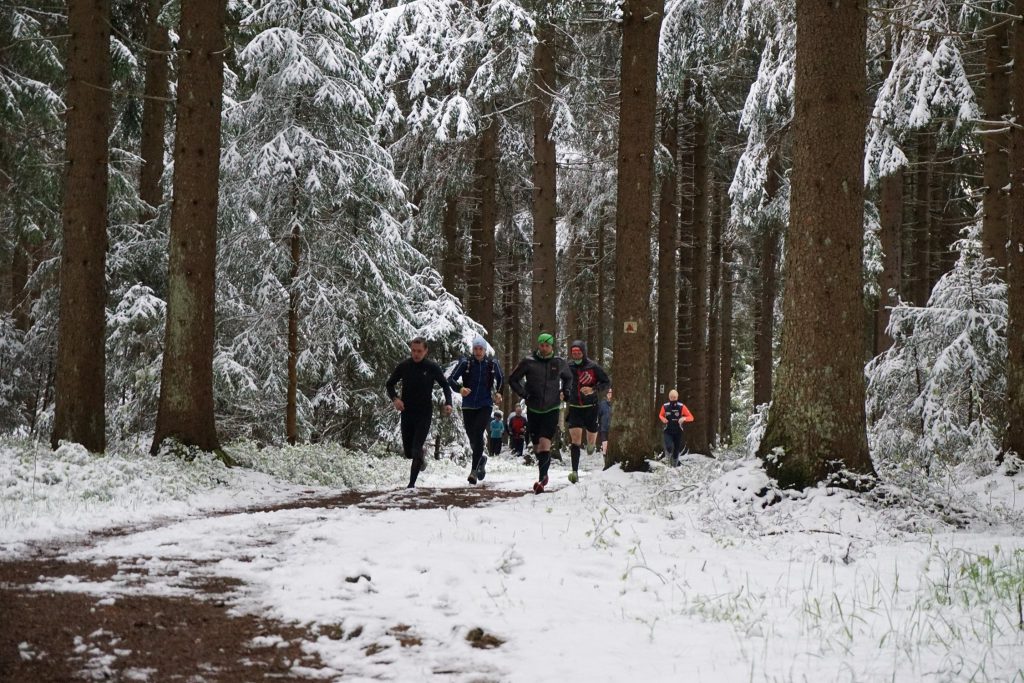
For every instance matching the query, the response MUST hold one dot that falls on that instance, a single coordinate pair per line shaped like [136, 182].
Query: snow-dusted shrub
[938, 394]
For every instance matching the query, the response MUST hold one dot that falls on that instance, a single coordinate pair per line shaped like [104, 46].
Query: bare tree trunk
[545, 196]
[571, 290]
[20, 300]
[291, 412]
[684, 319]
[1014, 439]
[995, 140]
[668, 254]
[601, 291]
[480, 284]
[186, 407]
[81, 362]
[764, 321]
[714, 312]
[452, 264]
[891, 219]
[923, 228]
[629, 440]
[816, 425]
[696, 400]
[154, 111]
[510, 315]
[725, 376]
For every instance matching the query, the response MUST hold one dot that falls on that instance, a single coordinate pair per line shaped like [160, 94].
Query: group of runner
[542, 380]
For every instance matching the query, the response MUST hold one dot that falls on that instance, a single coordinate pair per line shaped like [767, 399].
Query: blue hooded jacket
[479, 376]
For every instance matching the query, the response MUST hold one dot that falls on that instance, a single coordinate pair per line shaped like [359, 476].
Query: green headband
[546, 338]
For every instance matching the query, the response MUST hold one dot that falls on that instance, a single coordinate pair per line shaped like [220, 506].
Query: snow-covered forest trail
[170, 622]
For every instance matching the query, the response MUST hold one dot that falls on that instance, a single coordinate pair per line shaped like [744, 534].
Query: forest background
[223, 222]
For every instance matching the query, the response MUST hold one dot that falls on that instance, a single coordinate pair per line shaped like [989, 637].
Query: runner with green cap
[542, 381]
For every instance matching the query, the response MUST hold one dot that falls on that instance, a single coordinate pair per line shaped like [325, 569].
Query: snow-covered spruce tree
[31, 155]
[451, 73]
[314, 236]
[135, 333]
[936, 397]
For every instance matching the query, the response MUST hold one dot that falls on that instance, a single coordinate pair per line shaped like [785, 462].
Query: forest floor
[194, 636]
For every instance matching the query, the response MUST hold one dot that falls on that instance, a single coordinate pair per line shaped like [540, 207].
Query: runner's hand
[465, 391]
[399, 405]
[447, 409]
[587, 391]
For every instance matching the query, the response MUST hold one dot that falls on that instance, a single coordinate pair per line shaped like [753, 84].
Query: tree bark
[816, 425]
[725, 376]
[629, 440]
[452, 264]
[20, 300]
[668, 254]
[186, 409]
[292, 404]
[480, 284]
[81, 362]
[602, 278]
[714, 312]
[544, 292]
[1014, 439]
[922, 234]
[764, 321]
[696, 400]
[154, 112]
[996, 105]
[891, 219]
[684, 319]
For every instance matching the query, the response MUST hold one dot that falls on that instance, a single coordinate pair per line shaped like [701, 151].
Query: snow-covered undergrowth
[702, 572]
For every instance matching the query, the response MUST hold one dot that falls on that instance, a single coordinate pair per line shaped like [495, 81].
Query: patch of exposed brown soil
[48, 635]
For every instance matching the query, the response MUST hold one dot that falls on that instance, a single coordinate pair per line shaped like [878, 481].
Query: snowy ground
[681, 574]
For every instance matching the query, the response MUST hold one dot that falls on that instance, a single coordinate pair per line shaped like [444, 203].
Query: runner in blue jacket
[477, 379]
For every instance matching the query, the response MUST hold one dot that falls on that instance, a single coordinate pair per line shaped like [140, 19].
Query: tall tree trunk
[480, 284]
[684, 319]
[725, 376]
[489, 218]
[154, 111]
[816, 425]
[891, 220]
[996, 105]
[764, 321]
[20, 300]
[602, 278]
[81, 363]
[185, 409]
[292, 407]
[593, 304]
[571, 291]
[1014, 439]
[668, 253]
[510, 315]
[948, 220]
[451, 267]
[545, 196]
[923, 228]
[714, 312]
[696, 400]
[630, 432]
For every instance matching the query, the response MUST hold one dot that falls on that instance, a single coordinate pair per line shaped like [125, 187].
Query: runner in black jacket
[542, 380]
[417, 375]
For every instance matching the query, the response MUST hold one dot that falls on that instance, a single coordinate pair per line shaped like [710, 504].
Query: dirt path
[50, 635]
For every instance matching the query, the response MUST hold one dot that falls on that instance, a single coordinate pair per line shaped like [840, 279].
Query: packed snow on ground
[704, 572]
